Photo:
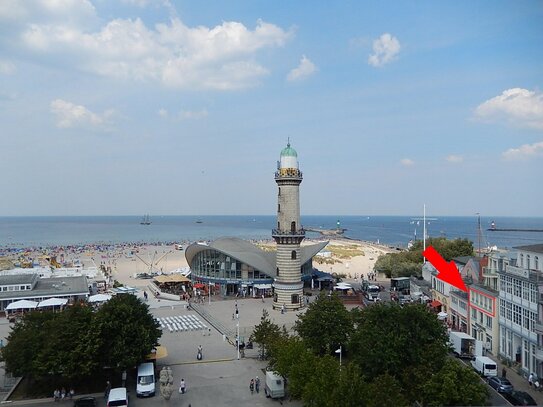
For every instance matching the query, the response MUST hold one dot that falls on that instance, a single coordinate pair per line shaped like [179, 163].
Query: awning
[435, 304]
[22, 304]
[171, 278]
[199, 285]
[52, 302]
[99, 298]
[263, 286]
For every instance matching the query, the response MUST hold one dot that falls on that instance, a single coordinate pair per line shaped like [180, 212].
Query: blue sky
[174, 107]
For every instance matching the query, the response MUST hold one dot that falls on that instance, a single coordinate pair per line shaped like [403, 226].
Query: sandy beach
[350, 258]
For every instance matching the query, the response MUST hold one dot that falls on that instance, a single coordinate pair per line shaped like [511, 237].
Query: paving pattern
[181, 323]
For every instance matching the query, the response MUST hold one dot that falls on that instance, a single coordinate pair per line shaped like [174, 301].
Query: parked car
[500, 384]
[85, 402]
[520, 398]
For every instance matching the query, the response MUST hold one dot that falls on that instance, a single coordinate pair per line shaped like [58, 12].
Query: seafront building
[521, 306]
[235, 266]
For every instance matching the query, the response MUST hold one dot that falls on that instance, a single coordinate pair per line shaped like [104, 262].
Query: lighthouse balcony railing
[278, 232]
[289, 173]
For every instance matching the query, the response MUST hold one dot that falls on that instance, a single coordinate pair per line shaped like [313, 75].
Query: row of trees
[408, 263]
[393, 356]
[79, 341]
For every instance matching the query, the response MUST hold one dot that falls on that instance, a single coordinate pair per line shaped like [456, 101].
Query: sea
[398, 231]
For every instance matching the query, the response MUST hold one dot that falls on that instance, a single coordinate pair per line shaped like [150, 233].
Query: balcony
[289, 173]
[539, 327]
[288, 233]
[489, 273]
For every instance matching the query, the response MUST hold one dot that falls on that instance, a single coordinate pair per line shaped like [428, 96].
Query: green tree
[385, 391]
[409, 262]
[24, 342]
[127, 330]
[408, 343]
[69, 347]
[325, 325]
[454, 385]
[53, 344]
[265, 333]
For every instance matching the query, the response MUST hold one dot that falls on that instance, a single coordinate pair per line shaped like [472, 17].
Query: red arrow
[447, 272]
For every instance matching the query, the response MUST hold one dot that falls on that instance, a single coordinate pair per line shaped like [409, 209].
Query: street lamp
[340, 352]
[237, 341]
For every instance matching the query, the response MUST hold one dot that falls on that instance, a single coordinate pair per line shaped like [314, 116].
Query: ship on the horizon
[145, 220]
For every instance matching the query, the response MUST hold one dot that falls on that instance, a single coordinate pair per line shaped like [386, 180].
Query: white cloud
[163, 113]
[385, 49]
[7, 67]
[407, 162]
[454, 158]
[70, 115]
[518, 106]
[67, 12]
[222, 57]
[524, 152]
[305, 69]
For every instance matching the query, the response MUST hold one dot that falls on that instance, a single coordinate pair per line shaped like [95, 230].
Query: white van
[117, 397]
[145, 384]
[274, 386]
[485, 366]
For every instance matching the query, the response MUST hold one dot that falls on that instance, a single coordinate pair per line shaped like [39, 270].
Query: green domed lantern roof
[288, 151]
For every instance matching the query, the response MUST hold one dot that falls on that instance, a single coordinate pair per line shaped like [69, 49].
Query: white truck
[485, 366]
[373, 293]
[274, 386]
[465, 346]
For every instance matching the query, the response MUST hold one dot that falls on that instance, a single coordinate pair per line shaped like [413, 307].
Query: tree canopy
[408, 263]
[396, 356]
[325, 325]
[78, 341]
[265, 333]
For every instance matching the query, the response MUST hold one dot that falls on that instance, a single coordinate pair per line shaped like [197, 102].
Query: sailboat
[145, 220]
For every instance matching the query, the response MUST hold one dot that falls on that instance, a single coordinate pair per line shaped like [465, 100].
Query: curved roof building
[234, 263]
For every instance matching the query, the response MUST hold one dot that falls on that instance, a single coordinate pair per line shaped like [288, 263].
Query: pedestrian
[56, 395]
[145, 295]
[283, 310]
[71, 393]
[263, 298]
[108, 388]
[237, 314]
[252, 385]
[182, 386]
[63, 394]
[257, 384]
[504, 372]
[531, 379]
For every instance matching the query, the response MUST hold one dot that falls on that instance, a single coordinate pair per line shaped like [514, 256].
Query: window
[278, 207]
[536, 263]
[279, 191]
[278, 226]
[293, 255]
[293, 226]
[295, 299]
[277, 271]
[521, 260]
[488, 321]
[528, 261]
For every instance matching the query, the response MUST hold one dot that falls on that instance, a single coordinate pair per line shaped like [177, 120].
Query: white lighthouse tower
[288, 286]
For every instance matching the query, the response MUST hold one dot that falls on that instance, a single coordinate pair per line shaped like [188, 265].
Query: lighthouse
[288, 286]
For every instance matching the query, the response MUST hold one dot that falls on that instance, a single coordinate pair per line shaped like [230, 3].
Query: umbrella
[99, 298]
[52, 302]
[441, 316]
[22, 304]
[198, 285]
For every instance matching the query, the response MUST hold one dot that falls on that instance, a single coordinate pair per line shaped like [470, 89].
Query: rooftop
[50, 287]
[536, 248]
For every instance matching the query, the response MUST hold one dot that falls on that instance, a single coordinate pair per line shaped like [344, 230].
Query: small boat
[199, 221]
[145, 220]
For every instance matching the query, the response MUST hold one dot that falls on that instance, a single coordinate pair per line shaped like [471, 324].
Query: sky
[128, 107]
